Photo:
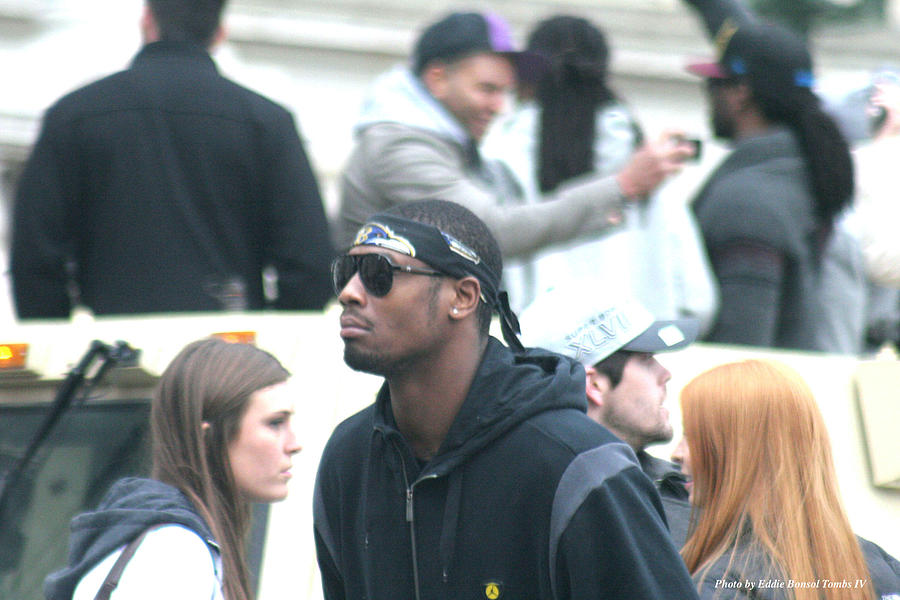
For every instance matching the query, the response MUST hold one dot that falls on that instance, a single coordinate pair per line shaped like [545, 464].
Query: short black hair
[194, 21]
[613, 366]
[464, 225]
[452, 39]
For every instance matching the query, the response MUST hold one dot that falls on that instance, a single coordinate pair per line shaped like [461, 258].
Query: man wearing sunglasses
[476, 473]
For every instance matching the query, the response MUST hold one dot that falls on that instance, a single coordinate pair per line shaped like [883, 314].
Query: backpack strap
[112, 579]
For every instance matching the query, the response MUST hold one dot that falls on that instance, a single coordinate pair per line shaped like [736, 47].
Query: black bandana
[445, 253]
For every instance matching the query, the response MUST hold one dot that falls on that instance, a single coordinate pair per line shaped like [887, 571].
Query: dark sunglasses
[375, 271]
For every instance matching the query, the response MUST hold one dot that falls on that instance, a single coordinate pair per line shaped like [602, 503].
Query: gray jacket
[669, 482]
[409, 148]
[756, 214]
[751, 574]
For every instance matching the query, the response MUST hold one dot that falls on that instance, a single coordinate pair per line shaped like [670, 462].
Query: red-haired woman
[769, 522]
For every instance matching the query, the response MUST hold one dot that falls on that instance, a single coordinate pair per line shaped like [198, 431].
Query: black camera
[695, 143]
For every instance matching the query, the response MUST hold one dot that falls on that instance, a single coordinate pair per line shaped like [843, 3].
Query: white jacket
[878, 209]
[657, 255]
[171, 563]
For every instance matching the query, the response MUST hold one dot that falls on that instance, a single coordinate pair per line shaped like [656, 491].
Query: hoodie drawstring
[451, 520]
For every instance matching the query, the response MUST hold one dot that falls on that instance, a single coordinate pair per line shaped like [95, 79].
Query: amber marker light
[237, 337]
[13, 356]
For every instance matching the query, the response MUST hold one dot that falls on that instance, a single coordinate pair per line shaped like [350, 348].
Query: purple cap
[461, 34]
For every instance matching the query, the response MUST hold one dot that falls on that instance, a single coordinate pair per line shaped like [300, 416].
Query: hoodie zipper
[410, 516]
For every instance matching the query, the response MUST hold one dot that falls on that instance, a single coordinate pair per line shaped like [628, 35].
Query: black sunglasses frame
[375, 270]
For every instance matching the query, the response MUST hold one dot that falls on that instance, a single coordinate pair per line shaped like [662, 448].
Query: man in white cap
[616, 340]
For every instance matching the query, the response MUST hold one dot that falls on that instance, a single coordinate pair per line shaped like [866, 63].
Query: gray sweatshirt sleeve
[402, 164]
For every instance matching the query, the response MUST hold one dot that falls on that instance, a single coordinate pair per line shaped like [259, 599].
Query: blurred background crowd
[319, 60]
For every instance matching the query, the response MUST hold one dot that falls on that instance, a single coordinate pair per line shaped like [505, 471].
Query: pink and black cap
[767, 55]
[462, 34]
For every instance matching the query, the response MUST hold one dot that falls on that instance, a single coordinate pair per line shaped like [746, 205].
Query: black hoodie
[526, 498]
[131, 506]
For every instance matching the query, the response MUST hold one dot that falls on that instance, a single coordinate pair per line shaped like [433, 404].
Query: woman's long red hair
[763, 473]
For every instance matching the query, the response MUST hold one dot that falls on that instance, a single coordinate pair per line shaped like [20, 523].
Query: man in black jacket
[616, 339]
[476, 473]
[166, 187]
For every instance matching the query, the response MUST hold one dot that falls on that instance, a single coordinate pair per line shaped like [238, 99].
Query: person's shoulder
[665, 475]
[603, 477]
[763, 174]
[572, 429]
[385, 150]
[359, 419]
[872, 549]
[353, 430]
[247, 105]
[744, 189]
[548, 443]
[884, 569]
[178, 539]
[385, 133]
[581, 445]
[748, 204]
[188, 562]
[746, 571]
[346, 449]
[607, 460]
[656, 467]
[88, 97]
[182, 554]
[615, 115]
[255, 99]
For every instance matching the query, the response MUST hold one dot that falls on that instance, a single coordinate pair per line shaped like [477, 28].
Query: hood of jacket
[130, 506]
[507, 390]
[398, 96]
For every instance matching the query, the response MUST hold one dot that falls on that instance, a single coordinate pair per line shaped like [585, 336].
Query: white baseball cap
[589, 326]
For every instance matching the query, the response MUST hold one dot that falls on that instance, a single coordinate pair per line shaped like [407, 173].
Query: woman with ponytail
[583, 126]
[221, 438]
[569, 125]
[567, 122]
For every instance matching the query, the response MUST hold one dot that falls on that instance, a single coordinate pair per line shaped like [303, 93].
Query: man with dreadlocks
[768, 211]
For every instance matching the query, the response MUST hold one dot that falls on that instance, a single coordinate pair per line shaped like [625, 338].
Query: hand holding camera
[653, 162]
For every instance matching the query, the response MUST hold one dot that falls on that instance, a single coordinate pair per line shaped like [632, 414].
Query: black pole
[65, 394]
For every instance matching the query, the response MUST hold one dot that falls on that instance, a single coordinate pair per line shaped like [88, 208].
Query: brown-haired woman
[222, 438]
[769, 522]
